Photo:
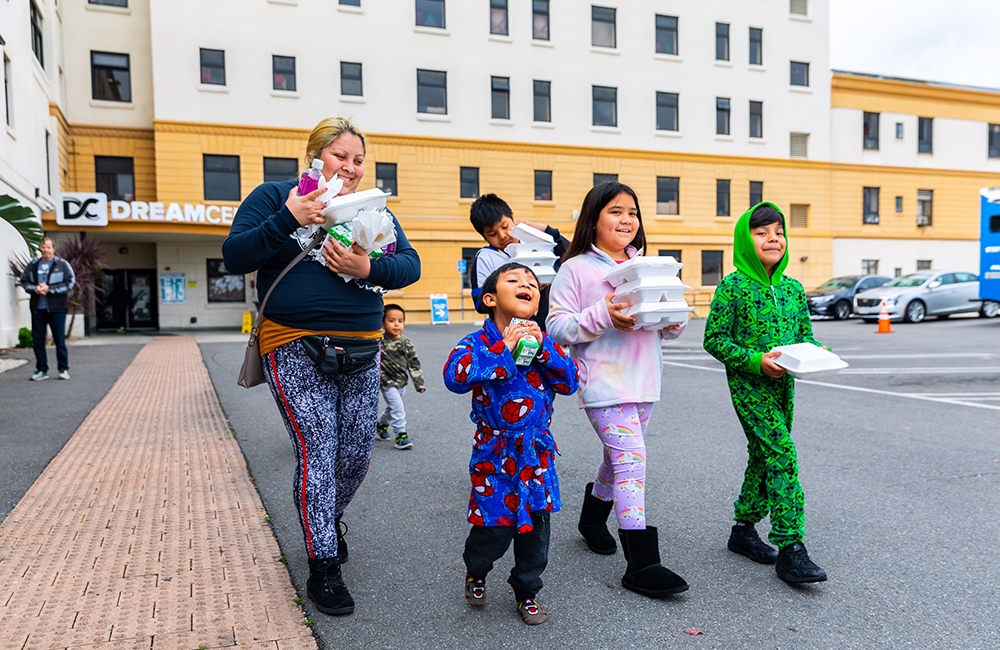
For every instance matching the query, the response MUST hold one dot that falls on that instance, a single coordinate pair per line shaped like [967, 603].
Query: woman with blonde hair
[319, 342]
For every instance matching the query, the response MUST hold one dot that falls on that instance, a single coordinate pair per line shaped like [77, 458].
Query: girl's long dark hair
[599, 196]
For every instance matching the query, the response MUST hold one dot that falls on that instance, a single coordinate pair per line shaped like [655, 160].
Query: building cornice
[209, 128]
[909, 97]
[96, 131]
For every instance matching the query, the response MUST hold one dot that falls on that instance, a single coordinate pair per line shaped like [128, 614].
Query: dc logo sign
[82, 209]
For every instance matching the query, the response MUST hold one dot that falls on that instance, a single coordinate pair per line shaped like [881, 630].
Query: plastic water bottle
[310, 178]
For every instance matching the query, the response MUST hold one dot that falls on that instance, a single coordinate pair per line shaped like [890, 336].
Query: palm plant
[88, 259]
[23, 220]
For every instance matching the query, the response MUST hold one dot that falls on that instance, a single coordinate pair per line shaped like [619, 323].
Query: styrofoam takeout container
[657, 315]
[643, 267]
[806, 361]
[535, 259]
[545, 274]
[344, 208]
[526, 234]
[530, 248]
[669, 289]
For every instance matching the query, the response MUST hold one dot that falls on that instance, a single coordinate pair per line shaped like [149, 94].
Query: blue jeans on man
[42, 319]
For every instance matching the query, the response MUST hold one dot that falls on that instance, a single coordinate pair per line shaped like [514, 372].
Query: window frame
[466, 177]
[37, 32]
[722, 52]
[759, 193]
[349, 3]
[993, 140]
[604, 178]
[94, 84]
[870, 203]
[791, 73]
[665, 187]
[543, 179]
[293, 75]
[723, 111]
[202, 52]
[211, 273]
[706, 262]
[430, 87]
[925, 127]
[105, 175]
[500, 92]
[499, 6]
[723, 197]
[346, 79]
[759, 115]
[870, 123]
[541, 14]
[417, 14]
[595, 11]
[613, 102]
[271, 176]
[925, 208]
[383, 178]
[8, 91]
[545, 96]
[205, 158]
[759, 42]
[663, 102]
[109, 3]
[670, 33]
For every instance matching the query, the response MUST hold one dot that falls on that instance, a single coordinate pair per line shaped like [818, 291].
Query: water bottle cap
[317, 164]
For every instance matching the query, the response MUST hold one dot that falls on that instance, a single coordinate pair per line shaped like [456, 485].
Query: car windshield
[912, 280]
[838, 283]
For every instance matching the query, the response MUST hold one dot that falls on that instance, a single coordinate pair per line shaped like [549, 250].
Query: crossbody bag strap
[313, 245]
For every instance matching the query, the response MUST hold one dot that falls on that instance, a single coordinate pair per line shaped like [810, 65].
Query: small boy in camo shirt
[399, 363]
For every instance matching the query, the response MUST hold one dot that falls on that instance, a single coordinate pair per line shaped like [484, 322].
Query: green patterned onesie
[752, 314]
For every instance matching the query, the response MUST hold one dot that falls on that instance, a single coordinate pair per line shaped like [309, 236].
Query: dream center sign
[92, 209]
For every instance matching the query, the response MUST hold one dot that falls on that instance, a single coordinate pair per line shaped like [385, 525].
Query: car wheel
[842, 310]
[990, 309]
[915, 312]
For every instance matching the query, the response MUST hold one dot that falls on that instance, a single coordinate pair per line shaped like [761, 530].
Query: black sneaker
[326, 588]
[745, 541]
[382, 432]
[794, 565]
[402, 442]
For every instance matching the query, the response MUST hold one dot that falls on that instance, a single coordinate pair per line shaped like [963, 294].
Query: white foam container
[526, 234]
[344, 208]
[529, 248]
[657, 315]
[807, 361]
[545, 274]
[643, 267]
[535, 259]
[669, 289]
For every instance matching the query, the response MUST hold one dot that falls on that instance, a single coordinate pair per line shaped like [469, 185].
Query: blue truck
[989, 251]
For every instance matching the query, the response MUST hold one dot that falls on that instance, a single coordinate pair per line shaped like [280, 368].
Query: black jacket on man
[60, 281]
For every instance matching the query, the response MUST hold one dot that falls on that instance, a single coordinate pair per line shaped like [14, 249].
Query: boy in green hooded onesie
[757, 308]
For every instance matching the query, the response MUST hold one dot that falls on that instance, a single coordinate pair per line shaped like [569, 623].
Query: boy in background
[493, 219]
[399, 363]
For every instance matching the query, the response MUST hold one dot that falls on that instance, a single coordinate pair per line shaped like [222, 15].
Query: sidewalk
[145, 530]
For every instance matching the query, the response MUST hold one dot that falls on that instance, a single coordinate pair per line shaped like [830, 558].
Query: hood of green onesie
[745, 256]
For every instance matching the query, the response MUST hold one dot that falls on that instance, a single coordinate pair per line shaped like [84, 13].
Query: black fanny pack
[336, 355]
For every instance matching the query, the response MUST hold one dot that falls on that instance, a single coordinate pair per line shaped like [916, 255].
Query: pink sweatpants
[621, 476]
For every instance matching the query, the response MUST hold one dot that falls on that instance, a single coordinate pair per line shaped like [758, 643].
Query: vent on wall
[798, 215]
[799, 145]
[799, 7]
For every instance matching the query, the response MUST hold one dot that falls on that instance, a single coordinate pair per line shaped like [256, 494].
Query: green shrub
[24, 339]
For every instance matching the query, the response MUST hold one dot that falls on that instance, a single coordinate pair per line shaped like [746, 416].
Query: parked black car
[836, 297]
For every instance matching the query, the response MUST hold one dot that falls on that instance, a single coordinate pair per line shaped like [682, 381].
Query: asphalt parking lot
[900, 464]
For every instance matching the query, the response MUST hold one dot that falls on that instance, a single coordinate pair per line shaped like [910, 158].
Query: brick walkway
[145, 530]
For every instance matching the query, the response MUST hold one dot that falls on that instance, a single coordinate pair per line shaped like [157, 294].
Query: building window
[605, 106]
[870, 208]
[756, 46]
[711, 268]
[500, 87]
[605, 178]
[756, 192]
[721, 198]
[543, 185]
[925, 207]
[993, 137]
[666, 35]
[432, 92]
[871, 130]
[468, 256]
[540, 20]
[278, 170]
[799, 7]
[385, 178]
[869, 267]
[899, 204]
[799, 74]
[498, 17]
[111, 77]
[722, 115]
[109, 3]
[666, 112]
[798, 145]
[469, 177]
[721, 42]
[283, 72]
[222, 177]
[756, 119]
[602, 27]
[430, 13]
[543, 101]
[674, 253]
[115, 176]
[924, 265]
[668, 195]
[224, 286]
[8, 92]
[37, 44]
[350, 79]
[213, 67]
[350, 3]
[798, 215]
[899, 130]
[48, 163]
[925, 134]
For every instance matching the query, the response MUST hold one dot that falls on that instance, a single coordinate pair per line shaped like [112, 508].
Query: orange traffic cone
[884, 323]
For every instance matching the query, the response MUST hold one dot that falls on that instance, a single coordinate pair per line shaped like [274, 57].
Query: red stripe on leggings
[305, 465]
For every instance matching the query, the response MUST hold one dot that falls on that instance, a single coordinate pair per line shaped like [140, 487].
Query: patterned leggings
[331, 422]
[622, 475]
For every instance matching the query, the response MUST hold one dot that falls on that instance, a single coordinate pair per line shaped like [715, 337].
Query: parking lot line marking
[929, 355]
[963, 395]
[973, 370]
[921, 397]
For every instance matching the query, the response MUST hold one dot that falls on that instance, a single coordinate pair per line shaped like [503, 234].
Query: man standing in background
[48, 279]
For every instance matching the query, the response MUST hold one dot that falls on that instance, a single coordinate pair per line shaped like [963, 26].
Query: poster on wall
[173, 288]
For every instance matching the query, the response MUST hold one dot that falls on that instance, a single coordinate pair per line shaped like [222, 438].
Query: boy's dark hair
[390, 307]
[490, 283]
[586, 224]
[765, 215]
[488, 210]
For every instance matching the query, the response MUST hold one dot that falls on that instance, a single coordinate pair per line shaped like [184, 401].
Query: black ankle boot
[326, 588]
[795, 566]
[745, 541]
[645, 575]
[341, 543]
[594, 523]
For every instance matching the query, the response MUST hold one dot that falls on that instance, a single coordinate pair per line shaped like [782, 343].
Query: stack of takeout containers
[534, 251]
[651, 287]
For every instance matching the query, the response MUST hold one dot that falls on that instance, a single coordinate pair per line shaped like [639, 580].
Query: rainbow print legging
[621, 476]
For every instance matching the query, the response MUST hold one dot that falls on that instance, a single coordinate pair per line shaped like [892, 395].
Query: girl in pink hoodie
[620, 372]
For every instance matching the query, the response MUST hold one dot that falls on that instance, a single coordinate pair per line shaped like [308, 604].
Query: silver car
[915, 296]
